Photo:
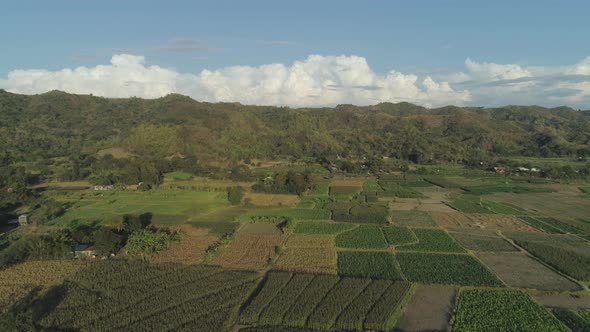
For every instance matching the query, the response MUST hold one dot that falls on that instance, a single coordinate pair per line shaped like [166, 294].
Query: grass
[321, 227]
[374, 265]
[502, 310]
[362, 237]
[451, 269]
[433, 240]
[278, 214]
[262, 199]
[179, 176]
[468, 204]
[505, 188]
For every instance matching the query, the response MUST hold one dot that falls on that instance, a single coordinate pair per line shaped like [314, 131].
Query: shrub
[235, 194]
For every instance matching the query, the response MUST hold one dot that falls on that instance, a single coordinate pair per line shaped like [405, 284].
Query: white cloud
[315, 81]
[319, 81]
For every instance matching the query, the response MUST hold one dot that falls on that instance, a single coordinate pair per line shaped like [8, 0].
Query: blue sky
[420, 38]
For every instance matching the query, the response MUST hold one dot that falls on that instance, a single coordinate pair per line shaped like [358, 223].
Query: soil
[564, 300]
[429, 310]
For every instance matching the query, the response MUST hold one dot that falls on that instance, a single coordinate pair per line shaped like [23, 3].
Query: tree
[106, 241]
[146, 243]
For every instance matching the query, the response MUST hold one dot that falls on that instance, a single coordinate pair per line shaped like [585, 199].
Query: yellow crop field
[190, 249]
[249, 252]
[309, 253]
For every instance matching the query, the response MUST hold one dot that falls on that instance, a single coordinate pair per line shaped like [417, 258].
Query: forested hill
[59, 124]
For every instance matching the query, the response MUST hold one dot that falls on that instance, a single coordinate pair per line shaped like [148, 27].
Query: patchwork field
[324, 302]
[249, 252]
[413, 219]
[190, 248]
[430, 309]
[432, 240]
[368, 264]
[270, 199]
[322, 227]
[482, 241]
[308, 253]
[559, 205]
[502, 310]
[362, 237]
[520, 271]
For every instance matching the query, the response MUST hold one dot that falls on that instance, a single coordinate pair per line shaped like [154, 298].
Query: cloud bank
[318, 81]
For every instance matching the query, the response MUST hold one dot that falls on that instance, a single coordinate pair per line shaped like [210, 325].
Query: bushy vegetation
[321, 227]
[502, 310]
[432, 240]
[235, 195]
[367, 264]
[453, 269]
[362, 237]
[146, 243]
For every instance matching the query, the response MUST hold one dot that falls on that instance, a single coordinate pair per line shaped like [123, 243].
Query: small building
[84, 251]
[23, 219]
[107, 187]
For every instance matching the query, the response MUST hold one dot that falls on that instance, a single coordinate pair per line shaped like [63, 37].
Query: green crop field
[572, 319]
[322, 227]
[432, 240]
[362, 237]
[452, 269]
[502, 310]
[483, 242]
[413, 218]
[284, 213]
[399, 236]
[367, 264]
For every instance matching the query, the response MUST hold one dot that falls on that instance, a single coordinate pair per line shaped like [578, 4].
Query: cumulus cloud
[318, 81]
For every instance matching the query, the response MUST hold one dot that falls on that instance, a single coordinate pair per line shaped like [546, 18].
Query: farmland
[502, 310]
[408, 252]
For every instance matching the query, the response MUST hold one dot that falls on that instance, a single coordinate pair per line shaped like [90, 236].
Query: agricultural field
[260, 199]
[413, 218]
[34, 276]
[399, 236]
[308, 253]
[322, 227]
[486, 241]
[432, 240]
[293, 302]
[368, 264]
[447, 269]
[502, 310]
[249, 252]
[161, 296]
[190, 248]
[359, 213]
[362, 237]
[520, 271]
[430, 309]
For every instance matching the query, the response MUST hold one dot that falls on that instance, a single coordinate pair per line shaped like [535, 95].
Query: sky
[303, 53]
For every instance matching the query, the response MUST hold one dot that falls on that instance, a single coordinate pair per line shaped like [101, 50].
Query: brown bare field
[309, 253]
[271, 199]
[190, 249]
[18, 280]
[429, 310]
[115, 152]
[563, 204]
[249, 252]
[564, 300]
[495, 222]
[482, 240]
[519, 270]
[260, 228]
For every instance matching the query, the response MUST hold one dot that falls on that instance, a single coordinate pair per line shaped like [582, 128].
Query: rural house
[84, 251]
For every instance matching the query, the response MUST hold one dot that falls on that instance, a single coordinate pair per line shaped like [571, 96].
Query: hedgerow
[502, 310]
[362, 237]
[375, 265]
[433, 240]
[453, 269]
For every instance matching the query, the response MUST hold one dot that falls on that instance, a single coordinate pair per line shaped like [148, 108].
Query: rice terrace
[295, 166]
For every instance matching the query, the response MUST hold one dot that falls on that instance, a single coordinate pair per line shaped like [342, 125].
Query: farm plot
[413, 219]
[323, 302]
[432, 240]
[344, 190]
[450, 269]
[558, 205]
[368, 264]
[161, 296]
[322, 227]
[576, 321]
[190, 248]
[404, 204]
[249, 252]
[451, 219]
[18, 280]
[359, 213]
[521, 271]
[262, 199]
[564, 300]
[280, 214]
[483, 241]
[502, 310]
[362, 237]
[308, 253]
[499, 222]
[430, 309]
[398, 236]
